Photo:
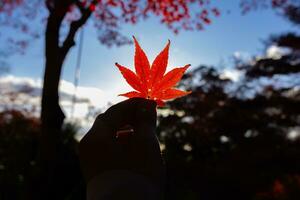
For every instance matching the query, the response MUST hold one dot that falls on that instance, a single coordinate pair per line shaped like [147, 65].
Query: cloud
[231, 74]
[90, 95]
[276, 52]
[241, 55]
[25, 91]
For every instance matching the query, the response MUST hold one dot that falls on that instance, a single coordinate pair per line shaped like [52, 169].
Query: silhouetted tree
[232, 141]
[237, 139]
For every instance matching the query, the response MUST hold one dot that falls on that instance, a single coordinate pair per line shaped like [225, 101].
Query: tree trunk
[52, 116]
[55, 173]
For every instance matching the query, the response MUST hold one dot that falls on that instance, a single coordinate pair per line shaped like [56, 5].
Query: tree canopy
[237, 139]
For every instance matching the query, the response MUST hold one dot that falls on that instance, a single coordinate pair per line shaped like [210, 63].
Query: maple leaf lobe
[132, 94]
[141, 64]
[130, 77]
[159, 65]
[171, 78]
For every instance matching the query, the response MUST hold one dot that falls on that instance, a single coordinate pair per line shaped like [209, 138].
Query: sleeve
[121, 184]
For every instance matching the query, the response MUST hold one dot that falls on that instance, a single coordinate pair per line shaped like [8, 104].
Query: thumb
[145, 114]
[144, 148]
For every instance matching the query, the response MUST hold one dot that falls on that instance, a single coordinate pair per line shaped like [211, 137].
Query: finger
[144, 151]
[129, 111]
[118, 115]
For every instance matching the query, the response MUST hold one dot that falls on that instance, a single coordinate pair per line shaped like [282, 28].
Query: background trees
[238, 139]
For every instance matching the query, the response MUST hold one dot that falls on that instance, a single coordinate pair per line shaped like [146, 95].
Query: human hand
[101, 150]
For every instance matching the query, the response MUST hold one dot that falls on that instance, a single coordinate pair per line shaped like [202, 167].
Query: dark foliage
[19, 134]
[232, 140]
[292, 12]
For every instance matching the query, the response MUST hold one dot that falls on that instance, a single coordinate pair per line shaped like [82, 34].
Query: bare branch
[49, 5]
[76, 25]
[80, 6]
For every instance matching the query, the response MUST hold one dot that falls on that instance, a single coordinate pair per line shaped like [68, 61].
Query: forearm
[122, 184]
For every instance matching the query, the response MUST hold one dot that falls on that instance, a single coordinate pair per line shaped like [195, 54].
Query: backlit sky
[228, 34]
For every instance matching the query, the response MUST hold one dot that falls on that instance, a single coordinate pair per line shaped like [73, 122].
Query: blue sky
[229, 33]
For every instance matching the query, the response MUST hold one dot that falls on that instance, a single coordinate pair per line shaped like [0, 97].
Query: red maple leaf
[151, 82]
